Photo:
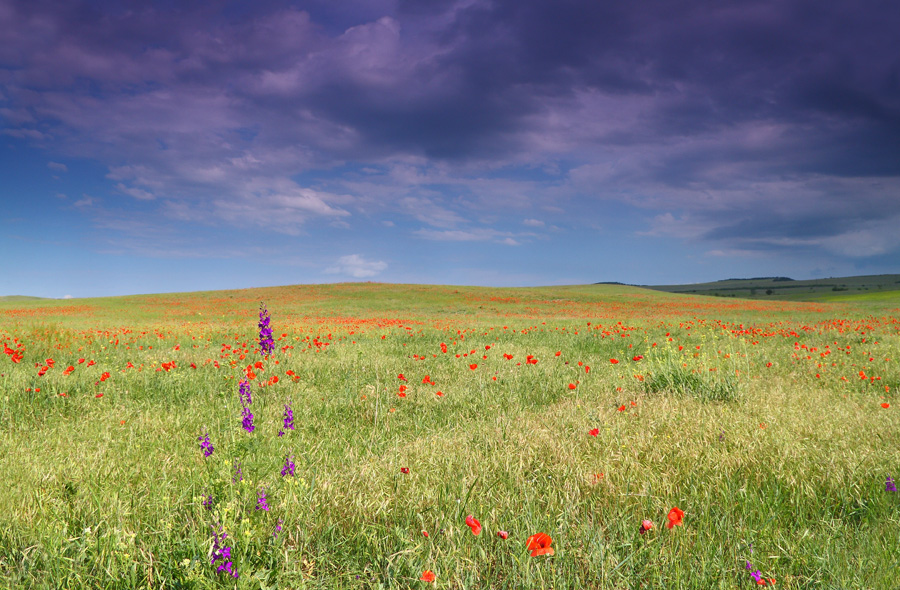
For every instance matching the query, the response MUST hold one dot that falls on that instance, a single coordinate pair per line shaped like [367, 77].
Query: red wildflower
[404, 470]
[646, 525]
[68, 370]
[539, 544]
[638, 358]
[473, 366]
[503, 534]
[621, 408]
[43, 370]
[885, 405]
[571, 386]
[473, 524]
[614, 361]
[401, 377]
[425, 534]
[428, 576]
[675, 515]
[594, 431]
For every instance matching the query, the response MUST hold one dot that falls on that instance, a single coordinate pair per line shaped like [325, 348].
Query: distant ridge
[787, 288]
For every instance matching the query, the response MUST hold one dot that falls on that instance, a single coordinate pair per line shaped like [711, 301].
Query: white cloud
[57, 166]
[135, 192]
[357, 267]
[533, 223]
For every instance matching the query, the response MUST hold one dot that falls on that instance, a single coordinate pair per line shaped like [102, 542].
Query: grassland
[574, 411]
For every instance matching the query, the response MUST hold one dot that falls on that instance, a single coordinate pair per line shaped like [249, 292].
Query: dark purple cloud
[750, 125]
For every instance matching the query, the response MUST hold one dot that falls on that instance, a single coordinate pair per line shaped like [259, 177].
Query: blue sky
[161, 147]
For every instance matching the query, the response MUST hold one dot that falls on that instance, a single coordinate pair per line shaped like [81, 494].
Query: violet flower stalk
[244, 393]
[261, 503]
[246, 399]
[238, 475]
[247, 421]
[889, 485]
[219, 551]
[288, 467]
[266, 344]
[205, 445]
[288, 419]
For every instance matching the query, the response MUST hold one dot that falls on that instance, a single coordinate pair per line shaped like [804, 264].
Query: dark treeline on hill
[790, 289]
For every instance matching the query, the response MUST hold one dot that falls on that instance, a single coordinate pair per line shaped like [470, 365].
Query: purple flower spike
[221, 552]
[245, 393]
[288, 467]
[205, 445]
[889, 485]
[288, 417]
[261, 503]
[278, 528]
[247, 422]
[238, 475]
[266, 344]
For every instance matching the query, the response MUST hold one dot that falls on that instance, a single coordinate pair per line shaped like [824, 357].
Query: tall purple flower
[278, 528]
[288, 467]
[238, 475]
[208, 501]
[220, 551]
[205, 445]
[288, 419]
[889, 485]
[245, 393]
[266, 344]
[261, 503]
[247, 422]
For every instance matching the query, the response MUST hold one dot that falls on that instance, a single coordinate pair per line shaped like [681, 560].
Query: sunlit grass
[739, 433]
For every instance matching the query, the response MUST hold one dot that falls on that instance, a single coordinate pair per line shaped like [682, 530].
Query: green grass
[750, 416]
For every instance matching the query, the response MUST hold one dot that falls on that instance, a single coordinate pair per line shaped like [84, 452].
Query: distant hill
[19, 298]
[787, 288]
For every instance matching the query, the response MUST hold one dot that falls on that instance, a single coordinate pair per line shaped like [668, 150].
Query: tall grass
[770, 463]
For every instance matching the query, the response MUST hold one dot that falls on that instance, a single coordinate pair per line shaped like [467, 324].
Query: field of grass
[578, 412]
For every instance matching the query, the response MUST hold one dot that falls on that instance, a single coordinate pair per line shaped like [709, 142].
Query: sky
[170, 146]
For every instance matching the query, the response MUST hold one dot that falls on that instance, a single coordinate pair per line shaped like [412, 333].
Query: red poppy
[68, 370]
[425, 534]
[594, 431]
[404, 470]
[885, 405]
[473, 524]
[428, 576]
[614, 361]
[646, 525]
[439, 393]
[503, 534]
[539, 544]
[621, 408]
[99, 395]
[675, 515]
[638, 358]
[473, 366]
[401, 377]
[571, 386]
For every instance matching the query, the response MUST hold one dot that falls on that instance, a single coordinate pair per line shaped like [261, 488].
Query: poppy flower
[539, 544]
[571, 386]
[425, 534]
[473, 366]
[675, 515]
[503, 534]
[404, 470]
[646, 525]
[621, 408]
[594, 431]
[428, 576]
[614, 361]
[473, 524]
[885, 405]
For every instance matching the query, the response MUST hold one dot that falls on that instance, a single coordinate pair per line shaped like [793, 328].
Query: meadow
[407, 436]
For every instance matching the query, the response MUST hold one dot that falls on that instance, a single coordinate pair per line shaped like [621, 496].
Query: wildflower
[237, 475]
[278, 528]
[247, 422]
[288, 467]
[646, 525]
[244, 393]
[428, 576]
[473, 524]
[288, 417]
[675, 515]
[539, 544]
[425, 534]
[404, 470]
[885, 405]
[205, 445]
[266, 344]
[261, 503]
[208, 501]
[221, 552]
[614, 361]
[503, 534]
[889, 485]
